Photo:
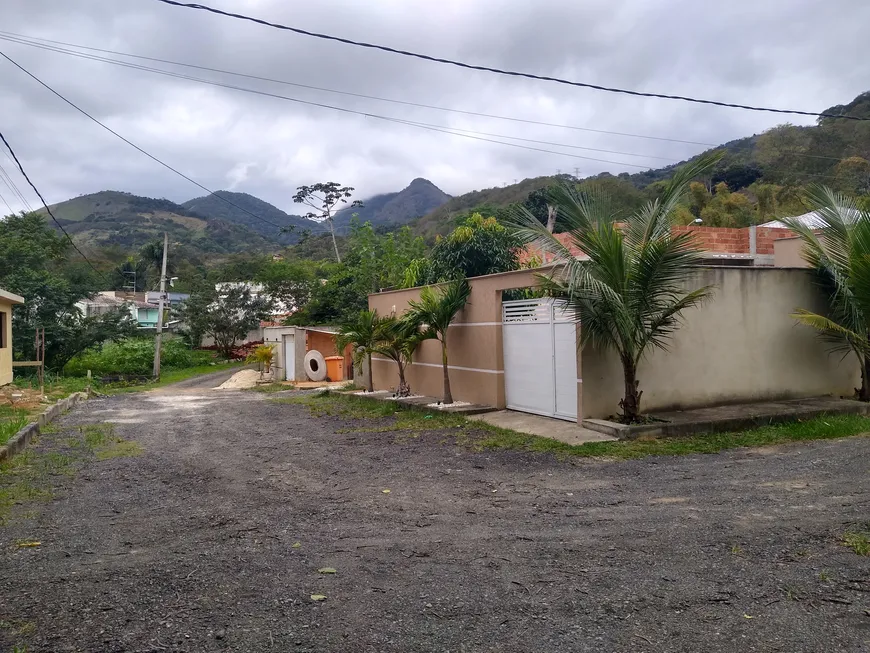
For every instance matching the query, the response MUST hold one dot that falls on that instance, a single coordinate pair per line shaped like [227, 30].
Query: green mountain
[760, 177]
[419, 198]
[213, 208]
[113, 218]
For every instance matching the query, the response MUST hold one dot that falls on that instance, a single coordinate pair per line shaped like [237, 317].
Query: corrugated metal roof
[812, 220]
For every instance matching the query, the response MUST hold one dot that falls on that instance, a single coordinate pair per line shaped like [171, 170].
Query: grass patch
[858, 541]
[820, 428]
[10, 425]
[272, 387]
[480, 435]
[29, 476]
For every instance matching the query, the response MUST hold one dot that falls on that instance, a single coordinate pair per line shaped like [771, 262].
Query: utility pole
[160, 309]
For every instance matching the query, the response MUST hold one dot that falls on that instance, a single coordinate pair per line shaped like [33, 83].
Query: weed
[9, 426]
[858, 541]
[792, 593]
[119, 449]
[736, 550]
[824, 576]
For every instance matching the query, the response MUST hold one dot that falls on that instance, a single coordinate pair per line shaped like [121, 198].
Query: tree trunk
[334, 243]
[630, 403]
[371, 381]
[551, 218]
[404, 390]
[864, 390]
[448, 396]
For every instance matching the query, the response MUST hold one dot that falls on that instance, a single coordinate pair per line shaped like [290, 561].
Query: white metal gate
[540, 358]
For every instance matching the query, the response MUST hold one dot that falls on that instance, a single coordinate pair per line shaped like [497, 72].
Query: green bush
[135, 356]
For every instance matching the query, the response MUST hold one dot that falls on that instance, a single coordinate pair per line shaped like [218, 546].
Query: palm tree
[363, 333]
[435, 313]
[399, 340]
[630, 293]
[838, 252]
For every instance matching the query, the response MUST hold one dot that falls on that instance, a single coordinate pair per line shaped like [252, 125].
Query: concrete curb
[420, 403]
[20, 440]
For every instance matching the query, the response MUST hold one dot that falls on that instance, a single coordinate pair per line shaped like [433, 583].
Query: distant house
[7, 301]
[143, 307]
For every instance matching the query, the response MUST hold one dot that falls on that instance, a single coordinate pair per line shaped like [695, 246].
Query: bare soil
[212, 539]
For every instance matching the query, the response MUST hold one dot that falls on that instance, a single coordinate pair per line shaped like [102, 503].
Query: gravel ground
[212, 540]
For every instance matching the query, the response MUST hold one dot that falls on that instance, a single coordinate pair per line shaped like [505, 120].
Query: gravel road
[212, 539]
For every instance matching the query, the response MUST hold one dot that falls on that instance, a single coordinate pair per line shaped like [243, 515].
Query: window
[4, 330]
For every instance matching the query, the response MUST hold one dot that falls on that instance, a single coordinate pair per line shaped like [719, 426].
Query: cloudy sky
[800, 54]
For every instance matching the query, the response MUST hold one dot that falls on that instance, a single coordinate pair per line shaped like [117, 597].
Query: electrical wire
[471, 134]
[430, 127]
[21, 39]
[133, 145]
[500, 71]
[11, 212]
[12, 186]
[45, 204]
[12, 37]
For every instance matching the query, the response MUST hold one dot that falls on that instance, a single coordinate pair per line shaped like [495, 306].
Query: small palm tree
[630, 294]
[363, 333]
[399, 340]
[838, 252]
[435, 312]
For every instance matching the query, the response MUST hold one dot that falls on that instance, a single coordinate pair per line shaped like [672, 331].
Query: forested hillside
[211, 206]
[121, 220]
[760, 177]
[419, 198]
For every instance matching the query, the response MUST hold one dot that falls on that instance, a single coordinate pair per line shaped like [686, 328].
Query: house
[143, 307]
[7, 301]
[525, 354]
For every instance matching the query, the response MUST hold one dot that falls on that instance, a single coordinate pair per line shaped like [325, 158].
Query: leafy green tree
[226, 315]
[477, 247]
[838, 252]
[727, 209]
[435, 312]
[324, 198]
[852, 175]
[630, 294]
[34, 264]
[289, 282]
[364, 333]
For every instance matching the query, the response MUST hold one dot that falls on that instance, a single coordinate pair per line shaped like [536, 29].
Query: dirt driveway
[212, 538]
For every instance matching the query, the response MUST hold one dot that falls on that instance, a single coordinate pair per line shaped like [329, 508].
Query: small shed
[7, 301]
[292, 344]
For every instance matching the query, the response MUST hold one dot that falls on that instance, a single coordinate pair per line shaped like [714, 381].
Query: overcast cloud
[802, 54]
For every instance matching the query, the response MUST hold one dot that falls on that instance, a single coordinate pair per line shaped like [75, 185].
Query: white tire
[315, 365]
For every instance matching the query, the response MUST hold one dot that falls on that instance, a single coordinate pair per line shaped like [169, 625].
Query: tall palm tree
[399, 340]
[435, 312]
[363, 333]
[630, 294]
[837, 249]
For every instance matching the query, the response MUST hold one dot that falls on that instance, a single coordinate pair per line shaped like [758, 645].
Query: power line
[7, 180]
[12, 37]
[420, 125]
[500, 71]
[11, 212]
[132, 144]
[45, 204]
[22, 39]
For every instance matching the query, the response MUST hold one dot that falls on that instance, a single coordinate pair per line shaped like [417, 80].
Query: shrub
[135, 356]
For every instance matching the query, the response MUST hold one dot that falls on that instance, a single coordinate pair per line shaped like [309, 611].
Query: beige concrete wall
[787, 253]
[474, 343]
[741, 346]
[6, 352]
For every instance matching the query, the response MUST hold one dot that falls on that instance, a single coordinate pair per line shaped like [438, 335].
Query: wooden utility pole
[159, 336]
